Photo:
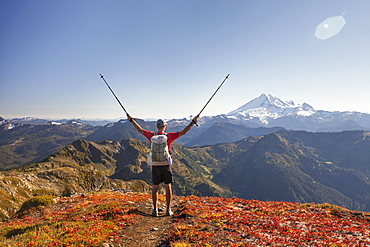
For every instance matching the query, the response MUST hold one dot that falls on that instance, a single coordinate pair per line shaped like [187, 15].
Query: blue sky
[164, 59]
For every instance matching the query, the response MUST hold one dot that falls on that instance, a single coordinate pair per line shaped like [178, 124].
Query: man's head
[161, 124]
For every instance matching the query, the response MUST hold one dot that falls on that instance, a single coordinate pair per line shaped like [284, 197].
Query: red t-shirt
[170, 136]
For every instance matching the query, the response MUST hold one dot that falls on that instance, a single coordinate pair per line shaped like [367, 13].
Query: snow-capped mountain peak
[267, 107]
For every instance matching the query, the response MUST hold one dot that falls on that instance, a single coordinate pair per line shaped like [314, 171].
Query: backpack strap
[156, 133]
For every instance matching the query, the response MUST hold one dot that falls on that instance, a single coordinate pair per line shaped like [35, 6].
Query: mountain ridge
[267, 110]
[303, 171]
[21, 144]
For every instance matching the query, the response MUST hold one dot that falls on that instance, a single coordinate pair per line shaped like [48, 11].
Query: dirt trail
[148, 231]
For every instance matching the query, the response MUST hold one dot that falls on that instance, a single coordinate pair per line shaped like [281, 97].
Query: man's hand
[195, 120]
[129, 118]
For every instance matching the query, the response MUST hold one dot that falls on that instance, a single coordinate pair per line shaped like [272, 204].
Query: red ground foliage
[210, 221]
[99, 218]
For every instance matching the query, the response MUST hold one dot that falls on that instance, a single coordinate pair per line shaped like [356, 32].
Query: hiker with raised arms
[160, 158]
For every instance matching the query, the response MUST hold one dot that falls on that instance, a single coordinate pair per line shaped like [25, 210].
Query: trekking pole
[101, 76]
[227, 77]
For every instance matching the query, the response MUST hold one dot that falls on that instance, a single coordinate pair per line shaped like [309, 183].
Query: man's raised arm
[136, 125]
[188, 127]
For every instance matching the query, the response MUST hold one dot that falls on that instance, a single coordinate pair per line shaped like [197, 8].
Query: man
[162, 173]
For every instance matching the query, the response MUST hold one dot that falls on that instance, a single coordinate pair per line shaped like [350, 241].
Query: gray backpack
[159, 153]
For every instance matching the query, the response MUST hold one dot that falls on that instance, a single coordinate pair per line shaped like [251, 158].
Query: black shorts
[162, 174]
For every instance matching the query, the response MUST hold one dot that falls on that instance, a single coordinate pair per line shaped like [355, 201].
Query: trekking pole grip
[193, 122]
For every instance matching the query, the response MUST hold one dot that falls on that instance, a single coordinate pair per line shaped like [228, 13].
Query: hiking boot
[169, 212]
[154, 213]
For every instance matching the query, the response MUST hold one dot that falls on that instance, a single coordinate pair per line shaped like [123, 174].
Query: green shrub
[37, 201]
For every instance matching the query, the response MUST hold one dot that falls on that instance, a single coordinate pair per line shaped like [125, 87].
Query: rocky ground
[148, 230]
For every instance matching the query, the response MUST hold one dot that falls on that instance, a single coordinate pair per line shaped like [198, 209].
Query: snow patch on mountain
[54, 123]
[268, 107]
[6, 124]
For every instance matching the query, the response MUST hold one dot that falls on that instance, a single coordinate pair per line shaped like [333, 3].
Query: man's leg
[155, 199]
[168, 188]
